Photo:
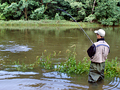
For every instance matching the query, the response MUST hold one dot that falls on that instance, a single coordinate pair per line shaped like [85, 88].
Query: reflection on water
[25, 45]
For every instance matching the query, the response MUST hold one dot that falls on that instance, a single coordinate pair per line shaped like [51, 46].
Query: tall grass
[31, 24]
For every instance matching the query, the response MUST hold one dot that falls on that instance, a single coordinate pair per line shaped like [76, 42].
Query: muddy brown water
[26, 45]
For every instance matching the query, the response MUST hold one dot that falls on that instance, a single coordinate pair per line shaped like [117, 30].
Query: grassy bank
[21, 24]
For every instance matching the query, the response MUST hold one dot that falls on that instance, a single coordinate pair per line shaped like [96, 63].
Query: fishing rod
[77, 23]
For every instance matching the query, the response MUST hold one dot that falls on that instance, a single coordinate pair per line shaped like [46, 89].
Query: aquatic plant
[44, 61]
[22, 66]
[70, 66]
[112, 68]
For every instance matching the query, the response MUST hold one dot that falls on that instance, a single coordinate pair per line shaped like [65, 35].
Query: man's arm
[91, 51]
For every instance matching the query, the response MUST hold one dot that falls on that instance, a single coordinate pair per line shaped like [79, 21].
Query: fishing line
[77, 23]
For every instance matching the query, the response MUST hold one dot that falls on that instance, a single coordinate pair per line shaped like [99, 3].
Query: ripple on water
[9, 75]
[113, 85]
[15, 48]
[18, 80]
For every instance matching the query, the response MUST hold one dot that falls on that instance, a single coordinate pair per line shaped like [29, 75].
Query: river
[25, 45]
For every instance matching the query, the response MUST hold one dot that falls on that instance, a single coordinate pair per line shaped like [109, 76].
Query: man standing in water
[98, 54]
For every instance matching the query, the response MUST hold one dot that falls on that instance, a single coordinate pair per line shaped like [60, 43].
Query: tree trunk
[42, 2]
[26, 14]
[93, 7]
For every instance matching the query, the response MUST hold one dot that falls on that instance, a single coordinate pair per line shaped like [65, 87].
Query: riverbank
[21, 24]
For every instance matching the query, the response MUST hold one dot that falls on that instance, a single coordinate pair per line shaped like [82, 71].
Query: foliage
[101, 11]
[11, 11]
[19, 10]
[8, 1]
[22, 66]
[38, 13]
[2, 6]
[45, 61]
[107, 12]
[70, 66]
[90, 18]
[57, 17]
[112, 68]
[81, 13]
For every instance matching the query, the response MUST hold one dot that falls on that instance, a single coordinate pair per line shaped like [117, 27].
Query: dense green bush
[11, 12]
[38, 13]
[105, 12]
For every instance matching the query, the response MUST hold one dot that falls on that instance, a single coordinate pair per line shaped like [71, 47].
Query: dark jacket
[91, 51]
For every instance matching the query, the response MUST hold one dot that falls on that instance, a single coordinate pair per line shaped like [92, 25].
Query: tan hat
[101, 32]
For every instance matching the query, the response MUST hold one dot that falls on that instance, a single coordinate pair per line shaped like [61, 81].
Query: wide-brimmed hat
[101, 32]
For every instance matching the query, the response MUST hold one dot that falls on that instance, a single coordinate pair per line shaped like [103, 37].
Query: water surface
[26, 45]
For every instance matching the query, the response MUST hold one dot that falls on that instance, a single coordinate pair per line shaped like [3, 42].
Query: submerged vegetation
[70, 66]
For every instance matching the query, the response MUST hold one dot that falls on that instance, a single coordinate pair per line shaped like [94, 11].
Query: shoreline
[31, 24]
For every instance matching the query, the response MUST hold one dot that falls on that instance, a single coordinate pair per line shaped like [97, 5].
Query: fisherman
[98, 53]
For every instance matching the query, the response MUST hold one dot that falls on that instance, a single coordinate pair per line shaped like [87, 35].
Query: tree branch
[93, 6]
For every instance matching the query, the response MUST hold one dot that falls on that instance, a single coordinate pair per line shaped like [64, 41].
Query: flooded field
[26, 45]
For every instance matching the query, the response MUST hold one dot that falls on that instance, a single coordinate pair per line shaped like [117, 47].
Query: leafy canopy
[105, 12]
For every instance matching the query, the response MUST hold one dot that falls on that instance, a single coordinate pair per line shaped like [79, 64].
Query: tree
[81, 8]
[24, 6]
[107, 12]
[22, 9]
[11, 11]
[9, 1]
[93, 6]
[52, 7]
[38, 13]
[2, 6]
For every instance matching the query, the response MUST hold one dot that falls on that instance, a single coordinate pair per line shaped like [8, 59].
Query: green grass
[21, 24]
